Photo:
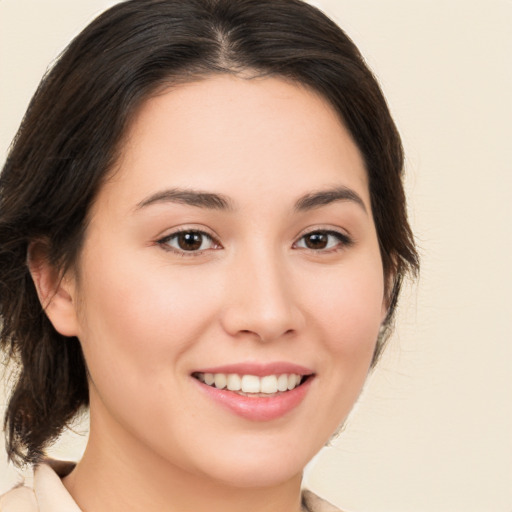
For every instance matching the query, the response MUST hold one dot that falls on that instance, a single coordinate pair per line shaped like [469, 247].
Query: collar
[51, 495]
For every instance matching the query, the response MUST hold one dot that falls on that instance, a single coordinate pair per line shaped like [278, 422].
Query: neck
[116, 474]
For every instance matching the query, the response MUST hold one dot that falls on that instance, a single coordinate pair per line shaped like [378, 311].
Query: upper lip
[258, 369]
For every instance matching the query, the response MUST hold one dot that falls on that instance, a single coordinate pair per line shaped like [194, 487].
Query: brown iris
[318, 240]
[190, 240]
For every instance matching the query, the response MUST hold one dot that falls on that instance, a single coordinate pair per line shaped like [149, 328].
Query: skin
[147, 315]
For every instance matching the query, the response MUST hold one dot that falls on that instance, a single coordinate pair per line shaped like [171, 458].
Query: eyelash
[165, 242]
[343, 241]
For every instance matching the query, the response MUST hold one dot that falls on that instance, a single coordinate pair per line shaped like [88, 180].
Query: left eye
[189, 241]
[322, 240]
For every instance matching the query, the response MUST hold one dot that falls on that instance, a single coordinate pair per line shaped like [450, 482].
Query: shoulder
[48, 493]
[313, 503]
[19, 499]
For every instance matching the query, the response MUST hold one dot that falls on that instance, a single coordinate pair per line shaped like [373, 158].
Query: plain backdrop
[433, 429]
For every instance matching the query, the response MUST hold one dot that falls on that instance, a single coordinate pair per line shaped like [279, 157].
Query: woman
[203, 235]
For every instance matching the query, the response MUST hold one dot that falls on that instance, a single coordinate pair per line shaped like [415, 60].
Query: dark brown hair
[73, 129]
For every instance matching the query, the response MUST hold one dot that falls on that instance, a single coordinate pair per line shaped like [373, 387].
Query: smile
[256, 392]
[252, 385]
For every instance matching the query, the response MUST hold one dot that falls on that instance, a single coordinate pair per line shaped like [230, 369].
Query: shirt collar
[51, 495]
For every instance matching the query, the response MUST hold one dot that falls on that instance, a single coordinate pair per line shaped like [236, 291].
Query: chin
[266, 466]
[246, 474]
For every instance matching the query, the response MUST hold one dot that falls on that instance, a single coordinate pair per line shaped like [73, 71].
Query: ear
[55, 291]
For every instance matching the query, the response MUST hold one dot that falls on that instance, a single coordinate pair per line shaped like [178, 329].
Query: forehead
[251, 135]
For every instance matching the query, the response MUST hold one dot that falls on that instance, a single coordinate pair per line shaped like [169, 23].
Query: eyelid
[345, 240]
[162, 241]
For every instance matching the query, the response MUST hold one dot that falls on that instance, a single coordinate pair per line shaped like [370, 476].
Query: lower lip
[258, 408]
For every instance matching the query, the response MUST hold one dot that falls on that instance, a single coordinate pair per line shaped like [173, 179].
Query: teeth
[234, 382]
[293, 381]
[220, 380]
[282, 383]
[269, 384]
[251, 384]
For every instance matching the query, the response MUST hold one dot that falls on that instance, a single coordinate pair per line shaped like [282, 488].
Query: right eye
[189, 242]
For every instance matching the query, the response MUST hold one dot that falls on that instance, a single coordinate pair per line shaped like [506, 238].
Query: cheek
[346, 313]
[350, 311]
[133, 317]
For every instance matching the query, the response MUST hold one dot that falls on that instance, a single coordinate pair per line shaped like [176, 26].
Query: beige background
[433, 430]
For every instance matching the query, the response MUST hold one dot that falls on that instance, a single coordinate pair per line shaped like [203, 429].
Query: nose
[261, 299]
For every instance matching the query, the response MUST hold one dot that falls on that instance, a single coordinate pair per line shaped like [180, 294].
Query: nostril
[268, 321]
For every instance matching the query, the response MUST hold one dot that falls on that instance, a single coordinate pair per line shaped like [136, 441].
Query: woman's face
[235, 244]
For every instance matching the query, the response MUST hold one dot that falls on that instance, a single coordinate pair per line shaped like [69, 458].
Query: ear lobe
[56, 292]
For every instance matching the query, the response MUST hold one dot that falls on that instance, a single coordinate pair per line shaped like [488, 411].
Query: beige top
[49, 494]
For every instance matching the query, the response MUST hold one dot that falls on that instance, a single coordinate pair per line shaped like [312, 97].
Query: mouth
[254, 391]
[254, 386]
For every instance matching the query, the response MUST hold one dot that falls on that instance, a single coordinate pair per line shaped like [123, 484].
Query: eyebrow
[213, 201]
[189, 197]
[325, 197]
